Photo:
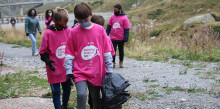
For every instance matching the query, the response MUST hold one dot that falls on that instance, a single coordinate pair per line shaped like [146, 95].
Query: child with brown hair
[52, 52]
[88, 56]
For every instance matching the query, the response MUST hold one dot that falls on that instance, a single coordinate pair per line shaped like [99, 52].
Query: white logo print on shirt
[60, 52]
[89, 52]
[116, 25]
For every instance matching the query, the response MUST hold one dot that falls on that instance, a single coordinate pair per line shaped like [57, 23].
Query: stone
[207, 18]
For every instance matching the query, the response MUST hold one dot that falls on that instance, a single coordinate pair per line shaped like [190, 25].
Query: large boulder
[207, 18]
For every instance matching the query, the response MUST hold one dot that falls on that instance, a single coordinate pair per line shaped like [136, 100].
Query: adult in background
[31, 26]
[13, 22]
[49, 18]
[118, 28]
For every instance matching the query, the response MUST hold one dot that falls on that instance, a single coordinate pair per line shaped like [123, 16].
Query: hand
[49, 63]
[40, 33]
[69, 79]
[27, 34]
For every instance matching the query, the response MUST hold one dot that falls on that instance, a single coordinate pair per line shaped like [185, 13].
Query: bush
[155, 14]
[155, 33]
[217, 18]
[216, 28]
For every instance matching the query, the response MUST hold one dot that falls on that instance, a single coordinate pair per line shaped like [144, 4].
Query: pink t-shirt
[113, 51]
[54, 43]
[88, 47]
[118, 23]
[46, 20]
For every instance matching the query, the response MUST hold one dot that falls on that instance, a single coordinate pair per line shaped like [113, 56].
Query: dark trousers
[120, 48]
[56, 94]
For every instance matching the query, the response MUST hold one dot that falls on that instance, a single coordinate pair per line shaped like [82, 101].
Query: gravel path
[149, 84]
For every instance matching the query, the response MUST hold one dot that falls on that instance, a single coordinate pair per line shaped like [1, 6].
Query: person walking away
[52, 52]
[118, 28]
[88, 56]
[31, 26]
[13, 22]
[49, 18]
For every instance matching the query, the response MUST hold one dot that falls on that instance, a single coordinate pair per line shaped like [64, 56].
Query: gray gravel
[162, 74]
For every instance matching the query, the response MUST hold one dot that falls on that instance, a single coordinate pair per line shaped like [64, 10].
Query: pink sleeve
[107, 44]
[46, 20]
[126, 23]
[110, 21]
[44, 44]
[70, 46]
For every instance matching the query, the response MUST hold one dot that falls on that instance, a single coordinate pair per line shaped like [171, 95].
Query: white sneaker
[35, 54]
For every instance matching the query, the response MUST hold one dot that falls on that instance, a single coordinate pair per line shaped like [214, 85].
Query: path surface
[11, 52]
[149, 81]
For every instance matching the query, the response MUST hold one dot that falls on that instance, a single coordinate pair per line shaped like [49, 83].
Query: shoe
[113, 64]
[35, 54]
[121, 64]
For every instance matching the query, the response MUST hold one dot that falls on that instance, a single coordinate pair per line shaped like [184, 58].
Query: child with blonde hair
[52, 52]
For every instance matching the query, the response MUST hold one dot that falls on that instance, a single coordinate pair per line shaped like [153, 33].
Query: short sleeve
[70, 46]
[44, 44]
[126, 23]
[110, 21]
[106, 42]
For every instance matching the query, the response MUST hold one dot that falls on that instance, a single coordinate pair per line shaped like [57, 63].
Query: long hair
[29, 12]
[46, 13]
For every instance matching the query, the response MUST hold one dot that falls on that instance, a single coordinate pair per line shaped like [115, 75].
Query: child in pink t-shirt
[52, 52]
[118, 28]
[88, 56]
[49, 18]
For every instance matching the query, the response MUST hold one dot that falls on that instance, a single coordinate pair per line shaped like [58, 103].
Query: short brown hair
[98, 19]
[61, 14]
[82, 11]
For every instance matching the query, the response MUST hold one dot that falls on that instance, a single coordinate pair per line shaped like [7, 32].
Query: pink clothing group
[86, 45]
[118, 23]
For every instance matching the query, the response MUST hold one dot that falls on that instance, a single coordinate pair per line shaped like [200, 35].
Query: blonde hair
[61, 14]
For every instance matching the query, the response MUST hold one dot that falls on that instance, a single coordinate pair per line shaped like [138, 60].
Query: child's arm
[44, 52]
[108, 62]
[69, 68]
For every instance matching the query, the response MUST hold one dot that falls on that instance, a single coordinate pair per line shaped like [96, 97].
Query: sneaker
[35, 54]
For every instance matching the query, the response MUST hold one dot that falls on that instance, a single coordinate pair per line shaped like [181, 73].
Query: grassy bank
[25, 84]
[18, 37]
[201, 44]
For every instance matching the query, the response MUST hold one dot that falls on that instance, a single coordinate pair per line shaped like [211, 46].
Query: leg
[33, 39]
[90, 101]
[66, 94]
[35, 36]
[121, 53]
[56, 95]
[81, 88]
[115, 48]
[95, 95]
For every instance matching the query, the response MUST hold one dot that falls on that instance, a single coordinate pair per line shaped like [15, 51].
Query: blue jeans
[56, 94]
[33, 37]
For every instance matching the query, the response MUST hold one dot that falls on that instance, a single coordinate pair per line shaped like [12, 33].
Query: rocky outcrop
[207, 18]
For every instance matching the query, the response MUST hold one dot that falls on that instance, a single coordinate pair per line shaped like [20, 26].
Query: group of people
[82, 54]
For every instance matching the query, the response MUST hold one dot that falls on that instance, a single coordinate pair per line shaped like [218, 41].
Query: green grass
[178, 88]
[19, 83]
[16, 46]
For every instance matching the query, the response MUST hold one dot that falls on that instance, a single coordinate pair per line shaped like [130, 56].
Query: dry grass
[18, 37]
[202, 44]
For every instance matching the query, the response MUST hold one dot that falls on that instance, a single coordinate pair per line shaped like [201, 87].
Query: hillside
[164, 19]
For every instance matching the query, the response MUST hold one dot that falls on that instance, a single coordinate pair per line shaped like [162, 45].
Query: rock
[207, 18]
[183, 100]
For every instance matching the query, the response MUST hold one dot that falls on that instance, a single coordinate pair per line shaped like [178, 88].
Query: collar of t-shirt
[89, 27]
